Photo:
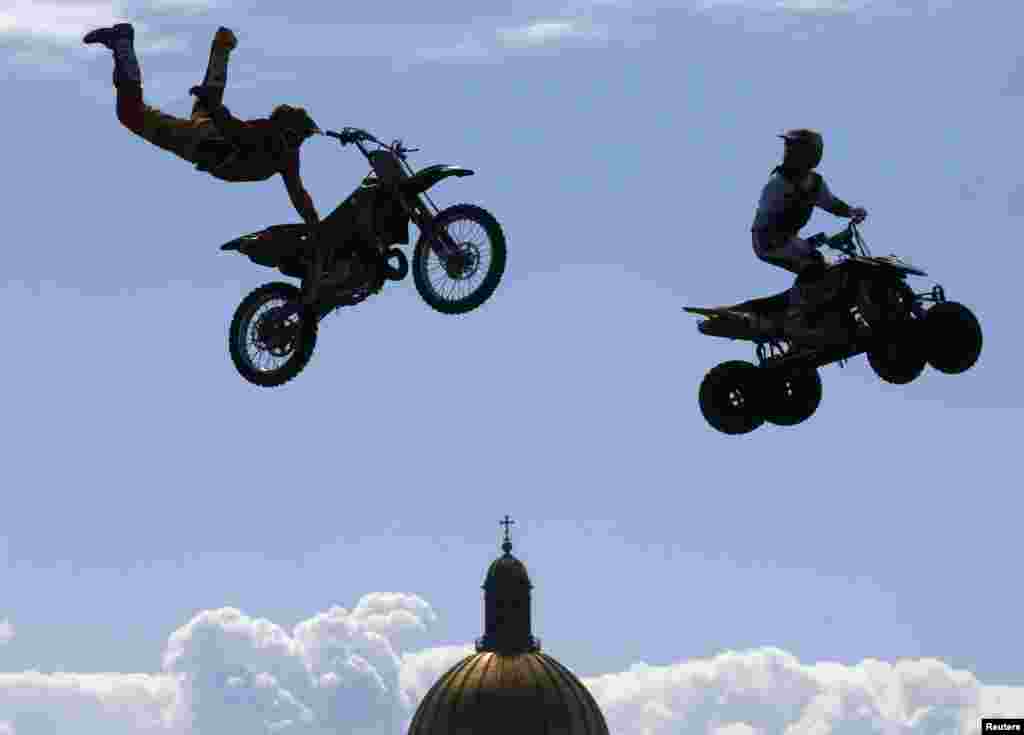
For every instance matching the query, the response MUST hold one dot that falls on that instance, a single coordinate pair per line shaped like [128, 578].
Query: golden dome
[508, 687]
[488, 693]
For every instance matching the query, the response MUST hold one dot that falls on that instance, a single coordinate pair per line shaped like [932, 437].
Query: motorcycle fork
[438, 239]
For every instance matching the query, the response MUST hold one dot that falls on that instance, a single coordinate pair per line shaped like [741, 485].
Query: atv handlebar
[845, 241]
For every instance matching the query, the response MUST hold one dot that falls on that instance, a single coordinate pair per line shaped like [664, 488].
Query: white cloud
[530, 36]
[342, 671]
[545, 33]
[770, 691]
[819, 6]
[337, 671]
[736, 728]
[6, 632]
[169, 7]
[62, 23]
[119, 704]
[421, 669]
[402, 618]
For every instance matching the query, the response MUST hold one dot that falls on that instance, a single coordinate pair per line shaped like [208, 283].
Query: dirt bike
[864, 305]
[457, 262]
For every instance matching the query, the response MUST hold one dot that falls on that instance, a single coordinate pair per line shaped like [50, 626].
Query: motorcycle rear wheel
[254, 336]
[461, 272]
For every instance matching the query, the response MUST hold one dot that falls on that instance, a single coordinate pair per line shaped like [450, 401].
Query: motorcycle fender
[237, 244]
[275, 247]
[431, 175]
[246, 242]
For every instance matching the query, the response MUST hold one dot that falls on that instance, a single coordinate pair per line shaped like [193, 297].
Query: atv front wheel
[953, 337]
[899, 357]
[791, 396]
[730, 397]
[267, 346]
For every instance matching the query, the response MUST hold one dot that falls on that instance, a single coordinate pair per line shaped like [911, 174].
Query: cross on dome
[507, 545]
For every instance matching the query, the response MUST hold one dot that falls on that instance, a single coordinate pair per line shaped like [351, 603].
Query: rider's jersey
[251, 150]
[786, 206]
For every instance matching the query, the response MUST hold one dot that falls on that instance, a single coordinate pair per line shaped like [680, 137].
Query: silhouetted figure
[787, 202]
[217, 143]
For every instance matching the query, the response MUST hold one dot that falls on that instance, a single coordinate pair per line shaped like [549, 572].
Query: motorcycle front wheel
[461, 282]
[269, 350]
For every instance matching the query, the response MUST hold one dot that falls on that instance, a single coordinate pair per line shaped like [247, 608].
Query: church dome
[508, 687]
[488, 693]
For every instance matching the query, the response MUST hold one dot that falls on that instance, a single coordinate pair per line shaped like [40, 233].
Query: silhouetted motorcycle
[457, 263]
[864, 305]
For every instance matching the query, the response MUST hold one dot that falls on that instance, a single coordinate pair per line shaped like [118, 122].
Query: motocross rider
[217, 143]
[787, 202]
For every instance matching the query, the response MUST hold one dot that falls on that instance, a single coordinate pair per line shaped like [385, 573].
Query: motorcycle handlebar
[356, 135]
[350, 135]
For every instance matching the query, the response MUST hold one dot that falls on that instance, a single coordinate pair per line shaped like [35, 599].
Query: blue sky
[622, 145]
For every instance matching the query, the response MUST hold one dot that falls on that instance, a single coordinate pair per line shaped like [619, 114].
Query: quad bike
[456, 264]
[864, 305]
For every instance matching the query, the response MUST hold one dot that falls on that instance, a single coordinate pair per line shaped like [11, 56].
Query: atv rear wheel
[952, 337]
[899, 357]
[267, 350]
[730, 397]
[791, 396]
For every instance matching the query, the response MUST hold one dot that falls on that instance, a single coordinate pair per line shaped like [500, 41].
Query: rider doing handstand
[787, 202]
[217, 143]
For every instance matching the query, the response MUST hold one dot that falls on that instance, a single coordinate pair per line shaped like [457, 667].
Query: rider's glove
[354, 135]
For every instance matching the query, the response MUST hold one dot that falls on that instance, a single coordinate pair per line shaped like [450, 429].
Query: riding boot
[126, 64]
[216, 77]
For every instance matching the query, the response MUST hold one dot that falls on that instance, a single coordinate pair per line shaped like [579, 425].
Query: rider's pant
[794, 254]
[176, 135]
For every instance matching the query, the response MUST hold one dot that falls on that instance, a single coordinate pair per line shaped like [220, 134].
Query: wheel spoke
[472, 237]
[259, 356]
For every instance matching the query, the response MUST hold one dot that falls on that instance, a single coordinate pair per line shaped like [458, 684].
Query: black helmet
[294, 123]
[804, 149]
